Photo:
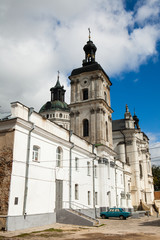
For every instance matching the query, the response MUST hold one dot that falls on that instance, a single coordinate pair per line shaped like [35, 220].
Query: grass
[46, 230]
[53, 230]
[23, 235]
[101, 225]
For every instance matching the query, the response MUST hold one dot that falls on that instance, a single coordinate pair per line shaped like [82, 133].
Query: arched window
[105, 96]
[107, 131]
[85, 94]
[59, 157]
[140, 170]
[85, 128]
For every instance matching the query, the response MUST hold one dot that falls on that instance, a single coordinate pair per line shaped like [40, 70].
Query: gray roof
[118, 124]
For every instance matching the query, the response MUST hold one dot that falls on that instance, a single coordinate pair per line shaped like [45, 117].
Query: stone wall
[6, 157]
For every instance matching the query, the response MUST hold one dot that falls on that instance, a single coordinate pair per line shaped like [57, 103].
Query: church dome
[57, 99]
[89, 47]
[55, 105]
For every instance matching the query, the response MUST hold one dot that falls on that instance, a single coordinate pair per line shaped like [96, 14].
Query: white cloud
[154, 147]
[148, 11]
[39, 37]
[155, 153]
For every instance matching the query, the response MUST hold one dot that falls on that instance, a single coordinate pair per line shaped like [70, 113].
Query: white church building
[67, 157]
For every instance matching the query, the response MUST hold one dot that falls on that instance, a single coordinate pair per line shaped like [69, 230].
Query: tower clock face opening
[85, 82]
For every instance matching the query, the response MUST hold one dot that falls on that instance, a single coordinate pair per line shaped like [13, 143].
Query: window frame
[59, 157]
[76, 191]
[95, 171]
[85, 94]
[85, 128]
[96, 198]
[89, 197]
[88, 168]
[76, 163]
[36, 153]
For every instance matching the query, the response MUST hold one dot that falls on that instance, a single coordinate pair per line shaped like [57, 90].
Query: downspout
[70, 169]
[124, 145]
[123, 163]
[27, 163]
[116, 183]
[93, 173]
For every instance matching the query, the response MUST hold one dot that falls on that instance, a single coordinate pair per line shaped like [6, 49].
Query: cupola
[90, 50]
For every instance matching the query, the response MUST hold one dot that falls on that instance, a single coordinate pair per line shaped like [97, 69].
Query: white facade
[37, 168]
[132, 147]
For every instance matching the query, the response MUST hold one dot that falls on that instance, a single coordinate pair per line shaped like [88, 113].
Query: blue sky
[40, 37]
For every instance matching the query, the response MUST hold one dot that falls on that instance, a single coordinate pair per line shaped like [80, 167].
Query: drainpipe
[27, 163]
[93, 173]
[116, 183]
[70, 169]
[123, 163]
[124, 145]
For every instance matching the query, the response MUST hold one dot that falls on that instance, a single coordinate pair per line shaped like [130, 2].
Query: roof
[89, 68]
[54, 105]
[118, 124]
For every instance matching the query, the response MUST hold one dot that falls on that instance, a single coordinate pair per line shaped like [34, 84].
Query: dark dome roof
[54, 105]
[135, 118]
[89, 46]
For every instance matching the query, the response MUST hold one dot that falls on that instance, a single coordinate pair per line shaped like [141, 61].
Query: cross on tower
[58, 74]
[89, 33]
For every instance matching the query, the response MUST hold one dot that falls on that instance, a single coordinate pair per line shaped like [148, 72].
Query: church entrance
[59, 194]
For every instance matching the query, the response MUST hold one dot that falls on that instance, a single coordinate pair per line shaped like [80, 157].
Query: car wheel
[103, 216]
[122, 217]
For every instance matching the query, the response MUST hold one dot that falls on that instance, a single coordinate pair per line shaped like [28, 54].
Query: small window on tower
[85, 128]
[85, 94]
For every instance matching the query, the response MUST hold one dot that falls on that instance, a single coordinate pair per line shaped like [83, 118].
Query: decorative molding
[77, 113]
[92, 111]
[71, 114]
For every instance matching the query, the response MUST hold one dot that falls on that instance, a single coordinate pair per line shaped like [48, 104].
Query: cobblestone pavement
[145, 228]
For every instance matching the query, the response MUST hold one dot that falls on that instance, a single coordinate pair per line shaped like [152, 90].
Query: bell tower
[90, 107]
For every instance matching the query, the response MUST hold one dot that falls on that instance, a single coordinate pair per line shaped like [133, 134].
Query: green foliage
[156, 177]
[53, 230]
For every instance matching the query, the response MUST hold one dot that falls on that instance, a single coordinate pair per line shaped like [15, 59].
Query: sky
[40, 37]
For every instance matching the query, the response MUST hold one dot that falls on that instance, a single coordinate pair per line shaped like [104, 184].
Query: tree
[156, 177]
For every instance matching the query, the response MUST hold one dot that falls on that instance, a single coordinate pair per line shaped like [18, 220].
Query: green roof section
[58, 85]
[55, 105]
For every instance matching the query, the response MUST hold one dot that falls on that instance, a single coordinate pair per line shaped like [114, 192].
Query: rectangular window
[35, 153]
[16, 201]
[129, 187]
[85, 94]
[88, 168]
[76, 164]
[108, 166]
[76, 191]
[89, 198]
[96, 198]
[121, 179]
[95, 170]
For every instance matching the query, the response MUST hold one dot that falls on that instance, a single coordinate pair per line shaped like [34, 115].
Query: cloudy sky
[40, 37]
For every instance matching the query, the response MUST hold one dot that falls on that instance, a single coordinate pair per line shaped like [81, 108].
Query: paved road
[145, 228]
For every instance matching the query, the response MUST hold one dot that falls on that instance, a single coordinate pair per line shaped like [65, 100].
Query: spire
[90, 50]
[136, 120]
[127, 114]
[127, 109]
[57, 92]
[57, 83]
[89, 34]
